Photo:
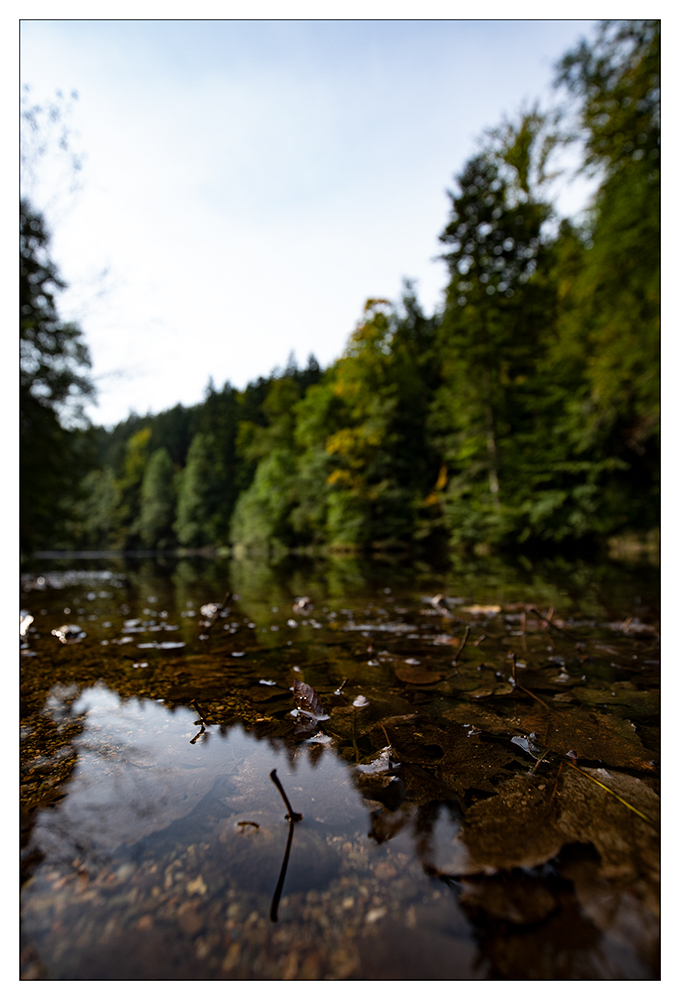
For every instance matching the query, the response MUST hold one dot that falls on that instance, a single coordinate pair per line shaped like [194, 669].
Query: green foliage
[526, 411]
[96, 513]
[158, 499]
[617, 295]
[609, 316]
[200, 517]
[499, 315]
[54, 361]
[260, 520]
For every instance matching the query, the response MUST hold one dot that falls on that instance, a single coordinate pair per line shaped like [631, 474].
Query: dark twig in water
[479, 641]
[198, 735]
[293, 816]
[462, 647]
[274, 910]
[545, 618]
[339, 690]
[200, 713]
[521, 686]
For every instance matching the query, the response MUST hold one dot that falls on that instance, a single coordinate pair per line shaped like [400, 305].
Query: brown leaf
[593, 735]
[531, 818]
[307, 700]
[417, 675]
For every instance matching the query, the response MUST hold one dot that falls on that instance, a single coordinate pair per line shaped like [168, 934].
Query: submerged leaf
[308, 701]
[417, 675]
[532, 817]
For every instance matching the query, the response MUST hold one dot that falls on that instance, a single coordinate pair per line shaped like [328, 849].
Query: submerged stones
[255, 843]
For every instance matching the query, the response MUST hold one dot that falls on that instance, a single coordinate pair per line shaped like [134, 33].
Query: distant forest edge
[525, 410]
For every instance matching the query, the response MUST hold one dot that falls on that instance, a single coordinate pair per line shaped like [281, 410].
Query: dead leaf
[307, 700]
[526, 824]
[417, 675]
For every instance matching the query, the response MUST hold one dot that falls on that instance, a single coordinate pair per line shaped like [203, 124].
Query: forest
[523, 411]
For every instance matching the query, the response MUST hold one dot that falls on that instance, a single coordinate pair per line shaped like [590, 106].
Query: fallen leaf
[417, 675]
[307, 700]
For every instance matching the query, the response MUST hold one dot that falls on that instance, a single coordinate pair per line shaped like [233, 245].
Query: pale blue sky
[250, 184]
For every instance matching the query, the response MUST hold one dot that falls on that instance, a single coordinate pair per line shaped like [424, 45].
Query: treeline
[526, 409]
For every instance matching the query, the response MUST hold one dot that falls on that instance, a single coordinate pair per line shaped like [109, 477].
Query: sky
[247, 185]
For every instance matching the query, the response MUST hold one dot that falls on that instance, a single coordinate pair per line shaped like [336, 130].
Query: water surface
[476, 766]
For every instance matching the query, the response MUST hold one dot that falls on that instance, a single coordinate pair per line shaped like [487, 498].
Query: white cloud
[250, 184]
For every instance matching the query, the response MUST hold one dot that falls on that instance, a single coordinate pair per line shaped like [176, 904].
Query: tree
[200, 512]
[499, 311]
[96, 512]
[609, 317]
[158, 499]
[54, 383]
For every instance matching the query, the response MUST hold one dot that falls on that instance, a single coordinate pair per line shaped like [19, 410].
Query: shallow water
[465, 816]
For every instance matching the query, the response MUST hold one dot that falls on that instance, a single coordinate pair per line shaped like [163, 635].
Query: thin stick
[295, 817]
[534, 696]
[274, 911]
[623, 801]
[555, 788]
[546, 620]
[539, 761]
[521, 686]
[200, 713]
[460, 651]
[479, 641]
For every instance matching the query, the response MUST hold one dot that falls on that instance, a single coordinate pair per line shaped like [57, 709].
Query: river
[339, 770]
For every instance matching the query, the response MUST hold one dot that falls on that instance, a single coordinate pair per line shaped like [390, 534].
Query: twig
[198, 735]
[521, 686]
[626, 804]
[545, 619]
[541, 759]
[479, 641]
[293, 816]
[274, 910]
[200, 713]
[460, 651]
[555, 787]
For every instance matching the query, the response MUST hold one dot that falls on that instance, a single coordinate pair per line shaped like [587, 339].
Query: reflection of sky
[250, 184]
[138, 772]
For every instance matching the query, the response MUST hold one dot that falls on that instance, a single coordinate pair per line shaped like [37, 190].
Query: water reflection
[432, 844]
[141, 769]
[156, 830]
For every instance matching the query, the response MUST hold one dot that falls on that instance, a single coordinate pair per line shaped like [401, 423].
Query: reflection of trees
[196, 579]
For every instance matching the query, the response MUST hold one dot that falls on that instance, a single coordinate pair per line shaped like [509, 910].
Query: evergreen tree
[54, 383]
[158, 498]
[609, 316]
[200, 511]
[498, 316]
